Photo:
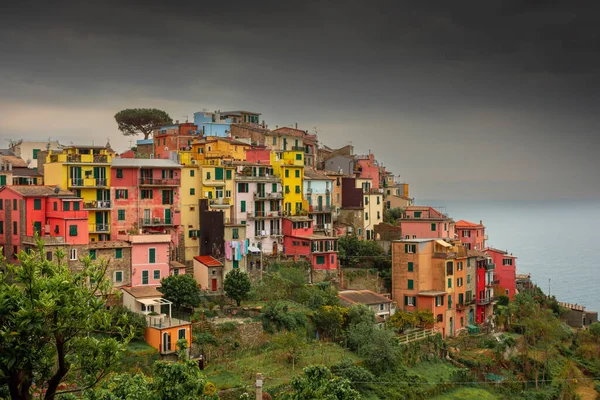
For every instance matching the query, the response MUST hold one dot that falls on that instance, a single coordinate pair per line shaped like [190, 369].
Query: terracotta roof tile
[208, 261]
[362, 297]
[142, 291]
[466, 224]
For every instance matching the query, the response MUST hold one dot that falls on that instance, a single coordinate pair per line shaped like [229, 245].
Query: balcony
[160, 181]
[47, 240]
[212, 182]
[156, 221]
[276, 232]
[444, 255]
[258, 178]
[297, 148]
[97, 205]
[490, 266]
[268, 196]
[220, 202]
[88, 182]
[87, 158]
[99, 228]
[486, 300]
[319, 209]
[263, 214]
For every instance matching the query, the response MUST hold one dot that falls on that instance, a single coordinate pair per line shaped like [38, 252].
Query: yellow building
[289, 167]
[85, 170]
[217, 185]
[219, 148]
[191, 192]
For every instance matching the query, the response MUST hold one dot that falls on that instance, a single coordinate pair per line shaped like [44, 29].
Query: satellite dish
[56, 190]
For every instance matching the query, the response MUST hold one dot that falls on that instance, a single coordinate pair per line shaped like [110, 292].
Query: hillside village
[228, 193]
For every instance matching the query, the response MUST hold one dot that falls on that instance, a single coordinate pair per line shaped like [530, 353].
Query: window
[121, 215]
[14, 204]
[466, 234]
[14, 228]
[274, 140]
[410, 248]
[37, 204]
[121, 194]
[449, 301]
[382, 307]
[297, 173]
[93, 254]
[1, 227]
[411, 284]
[461, 298]
[76, 206]
[459, 282]
[332, 259]
[450, 268]
[440, 318]
[449, 283]
[243, 206]
[320, 260]
[378, 215]
[73, 255]
[299, 156]
[192, 191]
[147, 194]
[287, 173]
[49, 255]
[507, 261]
[152, 256]
[35, 153]
[274, 188]
[208, 175]
[181, 334]
[297, 189]
[118, 253]
[411, 266]
[410, 301]
[433, 227]
[439, 301]
[506, 291]
[417, 214]
[287, 189]
[468, 278]
[2, 203]
[73, 230]
[119, 173]
[235, 233]
[366, 216]
[242, 188]
[459, 266]
[167, 197]
[378, 201]
[176, 271]
[366, 200]
[156, 274]
[145, 277]
[118, 276]
[192, 172]
[66, 206]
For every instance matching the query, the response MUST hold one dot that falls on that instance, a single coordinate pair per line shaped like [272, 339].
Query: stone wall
[361, 278]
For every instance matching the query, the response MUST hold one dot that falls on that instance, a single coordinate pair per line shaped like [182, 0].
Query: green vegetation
[237, 286]
[391, 216]
[132, 121]
[467, 394]
[182, 290]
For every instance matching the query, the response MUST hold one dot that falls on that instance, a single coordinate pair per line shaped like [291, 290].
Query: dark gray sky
[472, 99]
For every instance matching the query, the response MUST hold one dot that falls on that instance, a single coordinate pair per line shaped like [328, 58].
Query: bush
[355, 374]
[124, 321]
[276, 317]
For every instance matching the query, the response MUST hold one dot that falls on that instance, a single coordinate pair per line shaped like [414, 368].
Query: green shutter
[228, 174]
[151, 256]
[2, 180]
[320, 260]
[93, 254]
[37, 204]
[144, 277]
[405, 300]
[433, 227]
[119, 253]
[449, 283]
[411, 284]
[37, 227]
[66, 206]
[219, 174]
[119, 276]
[243, 205]
[298, 156]
[287, 173]
[411, 267]
[406, 248]
[274, 188]
[236, 264]
[119, 173]
[297, 173]
[156, 274]
[191, 172]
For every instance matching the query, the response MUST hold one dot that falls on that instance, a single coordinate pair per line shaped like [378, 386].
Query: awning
[148, 302]
[254, 249]
[443, 243]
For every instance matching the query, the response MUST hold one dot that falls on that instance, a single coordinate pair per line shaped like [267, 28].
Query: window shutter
[405, 300]
[243, 205]
[228, 174]
[152, 256]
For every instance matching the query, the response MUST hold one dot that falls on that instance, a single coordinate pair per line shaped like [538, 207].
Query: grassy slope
[467, 393]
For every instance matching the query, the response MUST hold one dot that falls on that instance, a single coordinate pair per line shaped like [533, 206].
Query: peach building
[472, 235]
[422, 222]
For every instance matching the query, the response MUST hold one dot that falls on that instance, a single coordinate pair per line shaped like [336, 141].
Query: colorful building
[396, 195]
[208, 272]
[351, 215]
[56, 215]
[218, 185]
[150, 260]
[505, 274]
[430, 274]
[190, 195]
[218, 148]
[236, 248]
[289, 167]
[472, 235]
[300, 242]
[318, 189]
[420, 222]
[259, 205]
[175, 137]
[368, 168]
[85, 170]
[484, 296]
[28, 151]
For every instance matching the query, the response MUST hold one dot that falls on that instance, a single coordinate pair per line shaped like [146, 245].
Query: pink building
[299, 241]
[472, 235]
[424, 222]
[367, 167]
[150, 259]
[146, 195]
[258, 155]
[57, 216]
[505, 274]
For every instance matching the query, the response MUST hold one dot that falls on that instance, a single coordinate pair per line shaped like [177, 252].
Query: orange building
[430, 274]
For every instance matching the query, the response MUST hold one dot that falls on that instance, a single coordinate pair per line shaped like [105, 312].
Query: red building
[484, 286]
[146, 194]
[506, 270]
[367, 167]
[258, 155]
[472, 235]
[57, 216]
[300, 241]
[174, 138]
[425, 222]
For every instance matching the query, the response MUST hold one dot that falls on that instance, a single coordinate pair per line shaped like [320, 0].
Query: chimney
[480, 222]
[296, 125]
[176, 121]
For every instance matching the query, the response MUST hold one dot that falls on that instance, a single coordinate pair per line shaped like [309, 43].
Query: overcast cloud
[476, 99]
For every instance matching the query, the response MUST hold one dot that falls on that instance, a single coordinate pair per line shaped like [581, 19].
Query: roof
[312, 174]
[502, 252]
[143, 162]
[362, 297]
[15, 161]
[140, 292]
[315, 237]
[25, 172]
[6, 152]
[574, 307]
[144, 141]
[431, 293]
[208, 261]
[176, 264]
[238, 112]
[40, 191]
[523, 277]
[466, 224]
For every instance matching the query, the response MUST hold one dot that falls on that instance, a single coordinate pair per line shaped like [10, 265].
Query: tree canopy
[133, 121]
[48, 315]
[182, 290]
[318, 382]
[237, 285]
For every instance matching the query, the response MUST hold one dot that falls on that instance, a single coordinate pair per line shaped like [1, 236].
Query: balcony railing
[275, 232]
[160, 181]
[263, 214]
[268, 196]
[242, 177]
[490, 266]
[157, 221]
[320, 209]
[49, 240]
[88, 182]
[97, 205]
[297, 148]
[94, 228]
[220, 202]
[485, 300]
[96, 158]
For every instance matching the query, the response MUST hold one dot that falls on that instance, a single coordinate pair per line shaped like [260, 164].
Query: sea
[557, 242]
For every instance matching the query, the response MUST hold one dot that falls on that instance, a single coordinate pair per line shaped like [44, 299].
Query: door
[147, 216]
[167, 216]
[274, 248]
[213, 284]
[320, 203]
[101, 221]
[471, 317]
[166, 342]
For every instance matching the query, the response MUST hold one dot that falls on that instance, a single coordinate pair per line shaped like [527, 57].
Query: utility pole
[258, 386]
[549, 288]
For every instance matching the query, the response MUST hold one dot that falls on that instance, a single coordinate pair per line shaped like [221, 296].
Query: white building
[28, 151]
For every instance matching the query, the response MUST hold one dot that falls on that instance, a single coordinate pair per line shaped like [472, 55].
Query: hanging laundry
[228, 250]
